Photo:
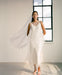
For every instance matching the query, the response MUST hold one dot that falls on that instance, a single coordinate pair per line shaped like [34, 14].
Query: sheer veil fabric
[20, 39]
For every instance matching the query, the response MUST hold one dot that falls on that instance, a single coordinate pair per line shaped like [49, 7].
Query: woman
[36, 41]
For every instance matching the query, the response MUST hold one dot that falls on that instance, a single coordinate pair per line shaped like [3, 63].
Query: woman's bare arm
[44, 31]
[28, 29]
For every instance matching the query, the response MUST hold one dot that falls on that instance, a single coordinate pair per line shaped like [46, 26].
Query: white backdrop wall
[13, 14]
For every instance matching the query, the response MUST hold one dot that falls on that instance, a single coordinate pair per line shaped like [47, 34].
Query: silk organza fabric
[20, 40]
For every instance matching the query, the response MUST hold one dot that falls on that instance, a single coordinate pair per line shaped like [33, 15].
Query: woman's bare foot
[39, 70]
[34, 72]
[35, 68]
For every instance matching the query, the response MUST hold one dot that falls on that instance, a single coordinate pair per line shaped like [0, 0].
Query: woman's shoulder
[41, 22]
[30, 23]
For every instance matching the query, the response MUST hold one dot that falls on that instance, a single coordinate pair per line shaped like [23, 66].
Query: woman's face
[35, 15]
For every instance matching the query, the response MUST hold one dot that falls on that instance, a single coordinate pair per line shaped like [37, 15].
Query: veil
[20, 39]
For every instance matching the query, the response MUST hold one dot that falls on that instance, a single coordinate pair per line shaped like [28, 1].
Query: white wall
[15, 13]
[53, 51]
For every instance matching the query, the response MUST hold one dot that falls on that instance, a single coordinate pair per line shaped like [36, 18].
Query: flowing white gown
[36, 43]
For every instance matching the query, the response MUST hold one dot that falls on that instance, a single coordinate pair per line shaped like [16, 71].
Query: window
[45, 14]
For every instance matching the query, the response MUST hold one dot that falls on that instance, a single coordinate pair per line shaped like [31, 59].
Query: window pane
[39, 10]
[48, 35]
[46, 2]
[44, 14]
[37, 2]
[47, 22]
[46, 11]
[40, 19]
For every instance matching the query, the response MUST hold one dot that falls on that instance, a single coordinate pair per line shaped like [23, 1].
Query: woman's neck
[35, 21]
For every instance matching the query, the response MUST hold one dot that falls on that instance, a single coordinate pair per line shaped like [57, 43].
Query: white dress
[36, 44]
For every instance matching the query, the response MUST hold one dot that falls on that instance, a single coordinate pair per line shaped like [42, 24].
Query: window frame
[46, 17]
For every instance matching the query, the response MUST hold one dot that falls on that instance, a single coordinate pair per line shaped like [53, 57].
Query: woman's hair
[32, 15]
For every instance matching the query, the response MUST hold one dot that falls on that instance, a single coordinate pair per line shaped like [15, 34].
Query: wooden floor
[26, 69]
